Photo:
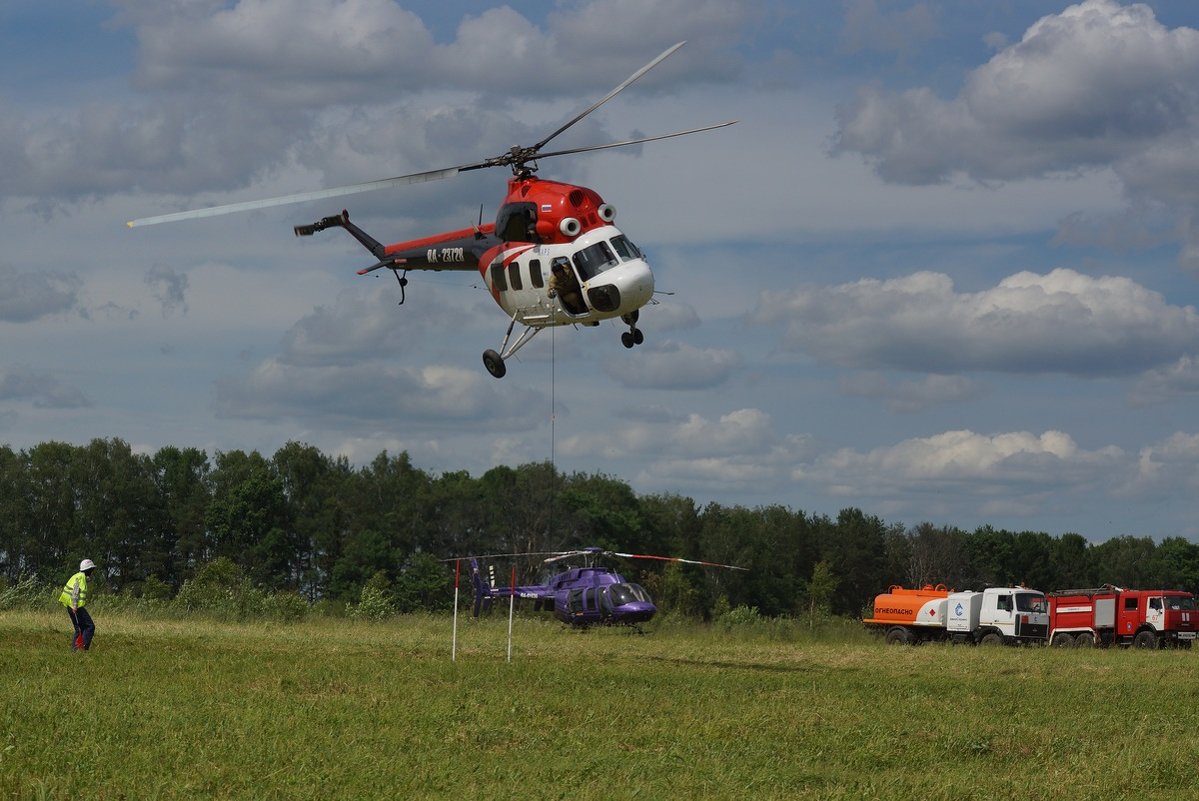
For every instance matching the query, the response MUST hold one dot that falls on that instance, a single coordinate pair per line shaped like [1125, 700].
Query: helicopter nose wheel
[494, 363]
[633, 336]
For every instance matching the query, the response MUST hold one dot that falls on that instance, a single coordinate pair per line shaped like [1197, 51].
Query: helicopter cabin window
[535, 276]
[514, 276]
[498, 280]
[626, 249]
[517, 222]
[593, 260]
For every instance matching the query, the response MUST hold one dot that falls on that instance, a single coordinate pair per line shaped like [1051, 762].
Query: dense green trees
[303, 522]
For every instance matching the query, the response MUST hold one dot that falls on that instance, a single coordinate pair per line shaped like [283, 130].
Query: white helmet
[86, 564]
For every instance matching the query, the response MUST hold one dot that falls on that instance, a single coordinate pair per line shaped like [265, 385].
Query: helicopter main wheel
[627, 339]
[495, 364]
[638, 337]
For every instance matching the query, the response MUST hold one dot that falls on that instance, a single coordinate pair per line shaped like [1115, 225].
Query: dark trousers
[83, 624]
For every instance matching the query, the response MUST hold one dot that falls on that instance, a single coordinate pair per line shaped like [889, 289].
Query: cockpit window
[627, 593]
[593, 260]
[625, 249]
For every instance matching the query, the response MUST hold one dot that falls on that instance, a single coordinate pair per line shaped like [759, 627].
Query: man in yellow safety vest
[74, 598]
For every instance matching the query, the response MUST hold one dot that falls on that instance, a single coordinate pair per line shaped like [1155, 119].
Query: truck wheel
[1145, 639]
[899, 636]
[1063, 640]
[1084, 640]
[991, 638]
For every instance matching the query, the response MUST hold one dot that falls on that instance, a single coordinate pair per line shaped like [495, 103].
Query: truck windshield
[1030, 602]
[1180, 602]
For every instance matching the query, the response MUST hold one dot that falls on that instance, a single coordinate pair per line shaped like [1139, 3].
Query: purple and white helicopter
[580, 596]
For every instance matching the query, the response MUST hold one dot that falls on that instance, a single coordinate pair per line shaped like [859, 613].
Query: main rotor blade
[611, 94]
[677, 559]
[635, 141]
[300, 197]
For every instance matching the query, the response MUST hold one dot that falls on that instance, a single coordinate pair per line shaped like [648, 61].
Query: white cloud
[1020, 469]
[1178, 379]
[1098, 85]
[1063, 322]
[1166, 469]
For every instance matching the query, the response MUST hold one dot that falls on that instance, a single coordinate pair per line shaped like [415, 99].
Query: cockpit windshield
[625, 249]
[1030, 602]
[593, 260]
[627, 593]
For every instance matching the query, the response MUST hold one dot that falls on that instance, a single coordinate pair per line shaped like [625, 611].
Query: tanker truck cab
[998, 615]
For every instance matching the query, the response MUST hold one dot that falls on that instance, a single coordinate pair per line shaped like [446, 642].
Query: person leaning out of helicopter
[74, 598]
[564, 283]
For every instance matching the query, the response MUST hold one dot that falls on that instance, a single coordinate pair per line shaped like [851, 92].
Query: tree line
[305, 522]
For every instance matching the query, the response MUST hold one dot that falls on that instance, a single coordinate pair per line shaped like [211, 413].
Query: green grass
[334, 709]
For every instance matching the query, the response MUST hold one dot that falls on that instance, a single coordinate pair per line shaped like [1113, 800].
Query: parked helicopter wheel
[638, 337]
[494, 364]
[627, 339]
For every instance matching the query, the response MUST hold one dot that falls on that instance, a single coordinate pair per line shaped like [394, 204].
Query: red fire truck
[1110, 615]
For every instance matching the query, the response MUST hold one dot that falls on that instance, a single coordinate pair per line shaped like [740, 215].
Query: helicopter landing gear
[633, 336]
[494, 364]
[494, 361]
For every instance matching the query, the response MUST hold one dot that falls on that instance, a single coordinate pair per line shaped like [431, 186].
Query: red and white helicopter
[552, 257]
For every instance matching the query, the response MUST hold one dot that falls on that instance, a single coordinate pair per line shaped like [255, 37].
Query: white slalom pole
[454, 638]
[511, 610]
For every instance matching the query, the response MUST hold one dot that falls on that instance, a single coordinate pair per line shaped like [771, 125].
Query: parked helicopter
[581, 596]
[552, 257]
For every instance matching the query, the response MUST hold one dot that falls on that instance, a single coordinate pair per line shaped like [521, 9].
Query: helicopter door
[606, 603]
[574, 602]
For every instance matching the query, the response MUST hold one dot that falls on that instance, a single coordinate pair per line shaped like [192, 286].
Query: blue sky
[945, 268]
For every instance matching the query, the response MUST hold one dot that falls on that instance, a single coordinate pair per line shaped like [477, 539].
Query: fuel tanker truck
[994, 616]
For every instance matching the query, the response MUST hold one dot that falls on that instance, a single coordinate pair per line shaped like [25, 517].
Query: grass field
[334, 709]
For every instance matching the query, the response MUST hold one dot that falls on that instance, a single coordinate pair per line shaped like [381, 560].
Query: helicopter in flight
[552, 257]
[580, 596]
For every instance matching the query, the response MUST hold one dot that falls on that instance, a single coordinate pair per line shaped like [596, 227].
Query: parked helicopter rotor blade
[626, 142]
[500, 555]
[628, 81]
[300, 197]
[560, 555]
[676, 559]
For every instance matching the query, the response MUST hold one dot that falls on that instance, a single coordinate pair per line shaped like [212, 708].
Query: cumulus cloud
[30, 296]
[1098, 85]
[1011, 473]
[375, 397]
[42, 389]
[288, 76]
[1166, 469]
[674, 365]
[1170, 381]
[1063, 322]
